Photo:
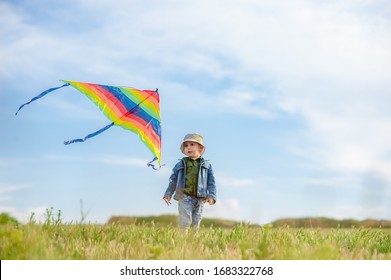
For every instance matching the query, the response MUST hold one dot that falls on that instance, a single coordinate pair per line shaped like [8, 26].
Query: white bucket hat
[193, 137]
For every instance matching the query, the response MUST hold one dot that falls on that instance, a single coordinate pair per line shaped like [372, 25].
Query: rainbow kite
[133, 109]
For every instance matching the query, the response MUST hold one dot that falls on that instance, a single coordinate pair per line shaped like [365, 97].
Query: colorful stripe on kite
[132, 109]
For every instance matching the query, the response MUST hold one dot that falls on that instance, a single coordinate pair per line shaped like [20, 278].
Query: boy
[193, 182]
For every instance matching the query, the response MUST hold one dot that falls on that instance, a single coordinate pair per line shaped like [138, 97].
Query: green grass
[54, 239]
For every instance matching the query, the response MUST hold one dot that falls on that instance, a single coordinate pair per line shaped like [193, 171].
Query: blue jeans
[190, 211]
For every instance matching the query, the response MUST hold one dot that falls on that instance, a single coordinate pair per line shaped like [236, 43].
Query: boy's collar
[189, 158]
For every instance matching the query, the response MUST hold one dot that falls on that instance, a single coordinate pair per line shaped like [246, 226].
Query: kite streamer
[132, 109]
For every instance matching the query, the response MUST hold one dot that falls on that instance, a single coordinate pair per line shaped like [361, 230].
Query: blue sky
[292, 98]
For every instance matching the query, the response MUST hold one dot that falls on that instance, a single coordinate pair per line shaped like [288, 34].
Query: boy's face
[193, 149]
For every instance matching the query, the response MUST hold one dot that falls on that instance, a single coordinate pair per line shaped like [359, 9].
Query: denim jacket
[206, 181]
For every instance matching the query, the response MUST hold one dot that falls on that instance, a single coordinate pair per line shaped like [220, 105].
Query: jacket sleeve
[211, 183]
[172, 182]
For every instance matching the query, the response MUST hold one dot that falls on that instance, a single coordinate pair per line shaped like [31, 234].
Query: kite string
[41, 95]
[89, 135]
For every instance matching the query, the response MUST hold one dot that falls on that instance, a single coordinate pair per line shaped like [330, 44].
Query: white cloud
[336, 78]
[334, 182]
[347, 212]
[64, 157]
[12, 162]
[244, 102]
[6, 190]
[38, 213]
[225, 181]
[105, 159]
[224, 209]
[120, 160]
[83, 110]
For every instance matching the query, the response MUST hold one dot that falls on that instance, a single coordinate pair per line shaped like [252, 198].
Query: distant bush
[315, 222]
[322, 222]
[5, 218]
[168, 220]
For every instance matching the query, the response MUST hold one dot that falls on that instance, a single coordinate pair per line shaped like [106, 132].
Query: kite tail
[153, 165]
[89, 135]
[41, 95]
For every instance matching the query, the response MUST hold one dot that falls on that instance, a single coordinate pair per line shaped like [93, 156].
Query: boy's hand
[167, 200]
[210, 201]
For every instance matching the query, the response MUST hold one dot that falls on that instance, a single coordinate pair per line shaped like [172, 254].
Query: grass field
[53, 239]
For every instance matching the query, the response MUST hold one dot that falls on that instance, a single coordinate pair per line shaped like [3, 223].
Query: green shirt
[192, 170]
